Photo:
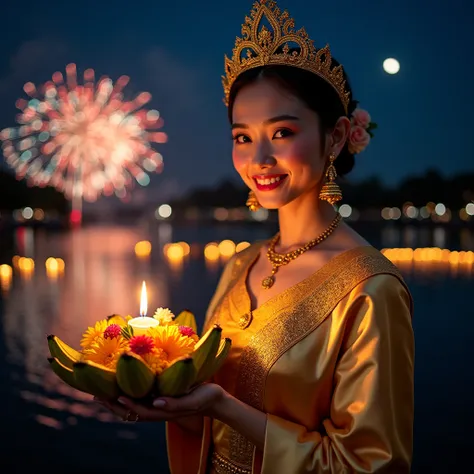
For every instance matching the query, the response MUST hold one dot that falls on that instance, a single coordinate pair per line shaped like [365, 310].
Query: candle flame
[143, 301]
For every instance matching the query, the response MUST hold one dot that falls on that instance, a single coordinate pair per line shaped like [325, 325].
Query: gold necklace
[279, 259]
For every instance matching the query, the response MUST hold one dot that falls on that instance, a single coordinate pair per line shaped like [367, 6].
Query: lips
[269, 182]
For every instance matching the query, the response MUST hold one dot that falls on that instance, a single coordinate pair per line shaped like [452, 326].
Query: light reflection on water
[103, 276]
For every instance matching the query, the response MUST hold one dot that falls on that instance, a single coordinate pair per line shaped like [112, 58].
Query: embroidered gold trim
[333, 282]
[223, 466]
[239, 265]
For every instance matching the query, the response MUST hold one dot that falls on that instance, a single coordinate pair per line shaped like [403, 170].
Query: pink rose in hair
[358, 139]
[361, 117]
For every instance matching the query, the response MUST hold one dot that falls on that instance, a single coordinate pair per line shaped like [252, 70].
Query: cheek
[239, 161]
[301, 154]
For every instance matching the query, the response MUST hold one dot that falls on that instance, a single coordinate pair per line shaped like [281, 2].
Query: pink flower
[114, 330]
[358, 139]
[142, 345]
[186, 331]
[361, 118]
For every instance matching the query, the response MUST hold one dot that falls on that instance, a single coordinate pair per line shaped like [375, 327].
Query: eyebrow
[278, 118]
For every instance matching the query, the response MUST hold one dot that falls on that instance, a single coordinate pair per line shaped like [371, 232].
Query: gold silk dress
[330, 361]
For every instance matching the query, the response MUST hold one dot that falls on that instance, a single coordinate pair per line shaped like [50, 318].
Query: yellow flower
[171, 341]
[106, 351]
[122, 321]
[164, 316]
[156, 360]
[94, 334]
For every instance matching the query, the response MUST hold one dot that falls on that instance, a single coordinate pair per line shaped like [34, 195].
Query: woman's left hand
[203, 400]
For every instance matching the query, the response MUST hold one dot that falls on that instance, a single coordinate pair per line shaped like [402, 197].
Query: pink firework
[84, 140]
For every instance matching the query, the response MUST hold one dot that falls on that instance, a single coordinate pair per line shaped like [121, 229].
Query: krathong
[168, 359]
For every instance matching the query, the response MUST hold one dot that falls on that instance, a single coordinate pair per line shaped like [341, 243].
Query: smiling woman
[320, 375]
[319, 378]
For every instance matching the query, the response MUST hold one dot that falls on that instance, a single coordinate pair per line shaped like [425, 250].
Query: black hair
[315, 92]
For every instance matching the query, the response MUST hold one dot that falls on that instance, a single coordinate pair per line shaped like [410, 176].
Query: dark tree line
[16, 194]
[454, 192]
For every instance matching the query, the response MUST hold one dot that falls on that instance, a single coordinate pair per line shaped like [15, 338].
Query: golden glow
[186, 248]
[61, 264]
[214, 251]
[211, 251]
[15, 261]
[143, 249]
[143, 301]
[241, 246]
[174, 252]
[54, 267]
[431, 256]
[26, 266]
[6, 273]
[52, 264]
[227, 248]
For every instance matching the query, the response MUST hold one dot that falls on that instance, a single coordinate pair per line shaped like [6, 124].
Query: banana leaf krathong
[140, 367]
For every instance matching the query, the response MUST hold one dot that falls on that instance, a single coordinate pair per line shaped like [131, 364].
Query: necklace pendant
[268, 282]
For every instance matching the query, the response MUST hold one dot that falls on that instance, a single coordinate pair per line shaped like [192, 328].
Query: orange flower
[106, 351]
[156, 360]
[94, 334]
[172, 342]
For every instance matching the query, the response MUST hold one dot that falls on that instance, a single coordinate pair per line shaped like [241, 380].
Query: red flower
[186, 331]
[141, 345]
[114, 330]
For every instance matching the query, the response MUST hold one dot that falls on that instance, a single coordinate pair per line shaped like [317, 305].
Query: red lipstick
[269, 181]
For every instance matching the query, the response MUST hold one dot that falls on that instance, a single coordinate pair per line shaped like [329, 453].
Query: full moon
[392, 66]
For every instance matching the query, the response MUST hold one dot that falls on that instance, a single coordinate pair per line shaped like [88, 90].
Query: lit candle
[142, 323]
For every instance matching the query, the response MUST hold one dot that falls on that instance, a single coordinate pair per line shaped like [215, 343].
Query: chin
[278, 201]
[274, 203]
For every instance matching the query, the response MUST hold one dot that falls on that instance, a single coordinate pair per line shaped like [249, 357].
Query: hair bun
[344, 162]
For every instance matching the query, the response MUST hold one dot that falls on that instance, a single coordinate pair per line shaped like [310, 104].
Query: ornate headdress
[264, 47]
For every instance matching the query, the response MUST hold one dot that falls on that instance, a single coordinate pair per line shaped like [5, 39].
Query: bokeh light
[143, 249]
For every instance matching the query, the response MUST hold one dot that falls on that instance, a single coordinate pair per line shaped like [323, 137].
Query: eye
[283, 133]
[241, 139]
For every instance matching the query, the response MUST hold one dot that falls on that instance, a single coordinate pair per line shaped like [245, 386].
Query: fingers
[187, 404]
[122, 412]
[145, 412]
[169, 409]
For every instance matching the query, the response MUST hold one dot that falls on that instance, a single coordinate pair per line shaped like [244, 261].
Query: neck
[302, 220]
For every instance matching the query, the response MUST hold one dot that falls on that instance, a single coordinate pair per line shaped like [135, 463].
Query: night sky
[175, 50]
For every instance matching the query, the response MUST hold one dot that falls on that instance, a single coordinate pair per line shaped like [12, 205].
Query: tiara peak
[263, 47]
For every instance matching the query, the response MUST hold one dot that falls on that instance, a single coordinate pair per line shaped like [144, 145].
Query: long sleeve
[369, 427]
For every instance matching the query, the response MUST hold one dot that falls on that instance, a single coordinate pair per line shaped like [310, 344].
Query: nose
[263, 157]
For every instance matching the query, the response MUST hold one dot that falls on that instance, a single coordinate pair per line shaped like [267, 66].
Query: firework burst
[84, 140]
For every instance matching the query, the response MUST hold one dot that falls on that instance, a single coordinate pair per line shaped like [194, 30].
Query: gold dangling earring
[331, 192]
[252, 202]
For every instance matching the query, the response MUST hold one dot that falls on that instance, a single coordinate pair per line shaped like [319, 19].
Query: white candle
[142, 323]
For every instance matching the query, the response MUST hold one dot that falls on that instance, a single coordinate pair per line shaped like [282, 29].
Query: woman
[320, 375]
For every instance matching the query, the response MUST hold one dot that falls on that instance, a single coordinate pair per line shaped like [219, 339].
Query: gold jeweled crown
[266, 48]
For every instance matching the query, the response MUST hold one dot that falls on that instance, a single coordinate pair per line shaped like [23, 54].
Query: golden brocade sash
[286, 323]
